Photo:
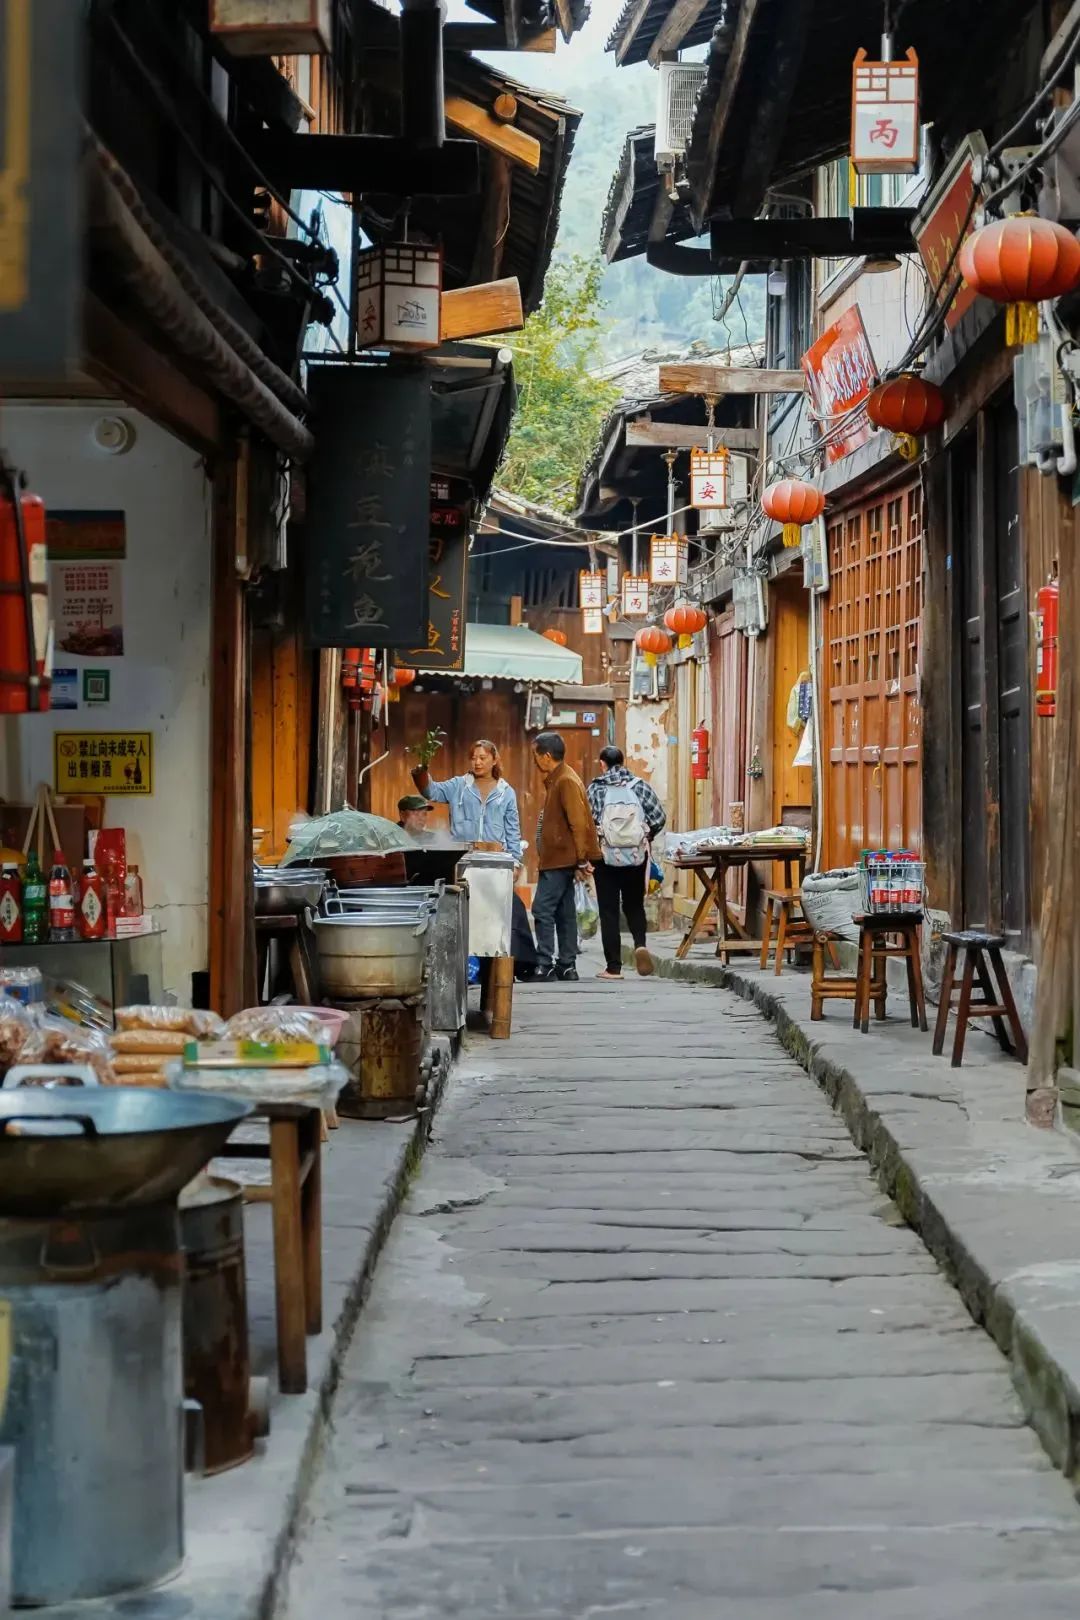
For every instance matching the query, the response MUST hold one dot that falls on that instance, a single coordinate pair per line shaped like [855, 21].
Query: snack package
[160, 1042]
[272, 1025]
[136, 1063]
[62, 1042]
[20, 1038]
[200, 1026]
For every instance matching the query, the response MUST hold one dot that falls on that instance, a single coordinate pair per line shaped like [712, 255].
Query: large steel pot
[108, 1147]
[94, 1409]
[365, 954]
[287, 890]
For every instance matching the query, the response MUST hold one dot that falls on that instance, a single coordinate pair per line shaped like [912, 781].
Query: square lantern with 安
[398, 297]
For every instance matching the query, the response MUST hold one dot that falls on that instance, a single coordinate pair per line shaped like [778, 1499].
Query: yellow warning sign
[116, 762]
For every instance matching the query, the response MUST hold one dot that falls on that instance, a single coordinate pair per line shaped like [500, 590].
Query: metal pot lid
[371, 919]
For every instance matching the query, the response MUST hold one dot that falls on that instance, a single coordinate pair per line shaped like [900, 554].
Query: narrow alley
[648, 1340]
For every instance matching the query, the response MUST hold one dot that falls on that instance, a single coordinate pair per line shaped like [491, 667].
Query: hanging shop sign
[592, 621]
[591, 588]
[448, 574]
[885, 115]
[669, 560]
[709, 479]
[635, 596]
[117, 763]
[946, 219]
[840, 372]
[41, 220]
[398, 297]
[368, 512]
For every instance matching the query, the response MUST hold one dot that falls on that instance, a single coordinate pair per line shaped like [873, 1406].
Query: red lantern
[792, 502]
[653, 642]
[1020, 262]
[401, 676]
[908, 407]
[685, 619]
[557, 636]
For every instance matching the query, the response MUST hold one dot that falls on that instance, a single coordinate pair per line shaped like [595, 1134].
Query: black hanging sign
[41, 226]
[367, 510]
[443, 647]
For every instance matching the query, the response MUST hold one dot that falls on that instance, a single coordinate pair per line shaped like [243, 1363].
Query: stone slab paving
[648, 1340]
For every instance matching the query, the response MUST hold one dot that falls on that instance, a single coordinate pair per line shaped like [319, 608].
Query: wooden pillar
[501, 997]
[231, 920]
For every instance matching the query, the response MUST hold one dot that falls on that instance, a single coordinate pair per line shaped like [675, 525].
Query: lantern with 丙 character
[908, 407]
[635, 596]
[652, 642]
[1021, 261]
[684, 620]
[398, 297]
[557, 636]
[792, 502]
[885, 115]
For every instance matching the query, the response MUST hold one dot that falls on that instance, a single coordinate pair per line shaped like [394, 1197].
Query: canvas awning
[509, 652]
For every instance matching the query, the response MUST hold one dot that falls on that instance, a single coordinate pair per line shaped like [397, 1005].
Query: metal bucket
[95, 1401]
[365, 955]
[217, 1362]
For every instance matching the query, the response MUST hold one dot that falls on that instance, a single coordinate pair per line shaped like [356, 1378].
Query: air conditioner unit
[676, 98]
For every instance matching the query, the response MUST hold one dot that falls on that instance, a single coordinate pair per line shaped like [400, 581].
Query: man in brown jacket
[567, 846]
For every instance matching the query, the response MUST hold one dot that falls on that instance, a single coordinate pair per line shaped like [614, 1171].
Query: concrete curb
[1031, 1310]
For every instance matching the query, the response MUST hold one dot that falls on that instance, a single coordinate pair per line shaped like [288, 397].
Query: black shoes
[547, 974]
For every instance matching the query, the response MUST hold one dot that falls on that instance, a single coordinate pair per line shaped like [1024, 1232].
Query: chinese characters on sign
[885, 115]
[591, 589]
[86, 552]
[368, 523]
[944, 222]
[119, 763]
[448, 563]
[669, 560]
[709, 479]
[398, 297]
[840, 372]
[635, 596]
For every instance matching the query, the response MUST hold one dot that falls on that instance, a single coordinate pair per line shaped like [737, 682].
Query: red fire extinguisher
[24, 600]
[699, 753]
[1046, 647]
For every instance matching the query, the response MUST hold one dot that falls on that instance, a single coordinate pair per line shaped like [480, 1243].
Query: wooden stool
[875, 930]
[784, 907]
[839, 987]
[976, 948]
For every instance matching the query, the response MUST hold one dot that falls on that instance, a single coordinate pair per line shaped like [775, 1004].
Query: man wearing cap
[413, 812]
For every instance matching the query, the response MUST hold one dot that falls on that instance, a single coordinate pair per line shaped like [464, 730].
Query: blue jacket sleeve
[512, 826]
[441, 792]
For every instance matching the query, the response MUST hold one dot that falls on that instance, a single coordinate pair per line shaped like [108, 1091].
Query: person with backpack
[628, 817]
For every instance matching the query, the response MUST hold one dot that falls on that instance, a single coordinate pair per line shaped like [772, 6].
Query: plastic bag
[656, 876]
[201, 1026]
[588, 912]
[277, 1024]
[59, 1041]
[19, 1035]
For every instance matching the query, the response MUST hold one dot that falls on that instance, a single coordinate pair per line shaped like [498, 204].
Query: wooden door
[995, 677]
[728, 737]
[789, 635]
[872, 719]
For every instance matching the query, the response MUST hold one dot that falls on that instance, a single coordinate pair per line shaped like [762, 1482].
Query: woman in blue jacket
[483, 806]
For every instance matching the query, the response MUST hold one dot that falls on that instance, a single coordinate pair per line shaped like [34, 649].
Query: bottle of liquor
[11, 905]
[91, 903]
[61, 900]
[35, 903]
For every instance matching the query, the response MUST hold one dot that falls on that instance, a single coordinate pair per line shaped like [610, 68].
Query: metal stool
[976, 948]
[875, 930]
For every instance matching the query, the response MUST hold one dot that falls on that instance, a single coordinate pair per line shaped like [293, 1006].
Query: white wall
[162, 682]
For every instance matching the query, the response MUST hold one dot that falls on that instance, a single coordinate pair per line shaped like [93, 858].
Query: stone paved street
[648, 1340]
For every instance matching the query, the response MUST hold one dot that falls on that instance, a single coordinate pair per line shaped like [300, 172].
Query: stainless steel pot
[367, 954]
[287, 889]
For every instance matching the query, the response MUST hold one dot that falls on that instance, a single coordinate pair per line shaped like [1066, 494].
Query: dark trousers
[625, 886]
[554, 914]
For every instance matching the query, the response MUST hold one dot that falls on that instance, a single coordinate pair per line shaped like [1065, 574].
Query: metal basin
[289, 889]
[112, 1147]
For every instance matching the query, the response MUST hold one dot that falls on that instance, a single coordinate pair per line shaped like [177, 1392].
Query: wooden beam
[477, 36]
[629, 34]
[485, 128]
[642, 432]
[379, 163]
[771, 105]
[494, 220]
[126, 366]
[724, 380]
[702, 179]
[468, 312]
[876, 232]
[675, 27]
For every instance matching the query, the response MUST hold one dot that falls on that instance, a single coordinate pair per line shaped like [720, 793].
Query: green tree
[561, 405]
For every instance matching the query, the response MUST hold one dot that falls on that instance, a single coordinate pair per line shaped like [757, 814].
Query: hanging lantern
[885, 124]
[792, 502]
[273, 27]
[709, 479]
[350, 667]
[400, 676]
[591, 583]
[652, 642]
[557, 636]
[908, 407]
[635, 596]
[669, 559]
[398, 297]
[1021, 261]
[684, 620]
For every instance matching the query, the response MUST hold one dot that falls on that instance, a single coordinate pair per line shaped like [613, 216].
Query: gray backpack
[624, 832]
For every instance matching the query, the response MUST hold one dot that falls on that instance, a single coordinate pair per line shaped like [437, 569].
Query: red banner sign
[940, 225]
[840, 372]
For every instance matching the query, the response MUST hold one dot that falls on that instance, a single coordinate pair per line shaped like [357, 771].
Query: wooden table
[295, 1192]
[712, 867]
